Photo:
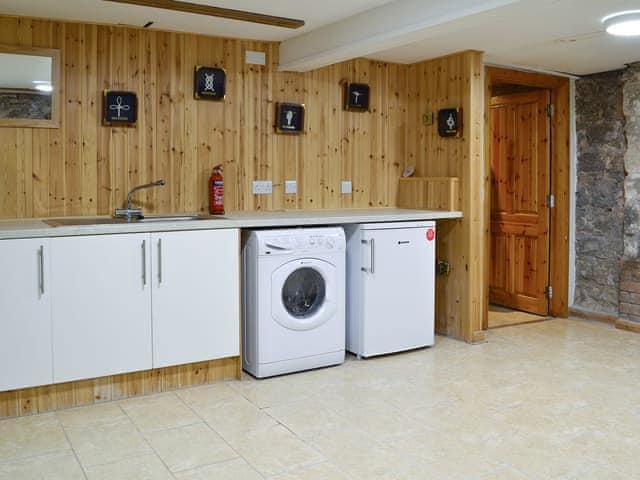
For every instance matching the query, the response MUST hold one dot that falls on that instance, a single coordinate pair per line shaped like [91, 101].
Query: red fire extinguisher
[216, 191]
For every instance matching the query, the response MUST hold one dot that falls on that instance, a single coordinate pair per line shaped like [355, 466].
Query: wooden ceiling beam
[199, 9]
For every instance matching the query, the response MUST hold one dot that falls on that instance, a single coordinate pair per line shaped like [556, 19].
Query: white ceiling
[555, 35]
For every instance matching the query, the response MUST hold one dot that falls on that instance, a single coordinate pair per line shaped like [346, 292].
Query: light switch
[346, 186]
[290, 186]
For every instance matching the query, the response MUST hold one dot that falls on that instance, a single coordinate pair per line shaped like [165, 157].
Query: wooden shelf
[431, 193]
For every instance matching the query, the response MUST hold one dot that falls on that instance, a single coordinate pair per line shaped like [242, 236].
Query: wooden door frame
[560, 180]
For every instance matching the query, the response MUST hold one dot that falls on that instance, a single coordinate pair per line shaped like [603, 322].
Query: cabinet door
[101, 305]
[25, 314]
[196, 312]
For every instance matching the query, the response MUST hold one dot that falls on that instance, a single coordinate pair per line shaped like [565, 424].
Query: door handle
[41, 268]
[371, 244]
[144, 263]
[159, 261]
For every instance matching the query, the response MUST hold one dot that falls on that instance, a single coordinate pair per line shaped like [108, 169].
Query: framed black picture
[356, 97]
[450, 122]
[210, 83]
[119, 108]
[289, 118]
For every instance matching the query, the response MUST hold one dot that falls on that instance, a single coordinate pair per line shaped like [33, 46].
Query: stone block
[631, 298]
[627, 286]
[629, 309]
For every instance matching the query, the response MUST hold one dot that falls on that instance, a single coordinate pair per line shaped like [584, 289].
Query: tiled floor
[552, 400]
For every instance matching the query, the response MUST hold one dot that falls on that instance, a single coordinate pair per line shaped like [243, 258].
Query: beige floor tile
[274, 450]
[319, 471]
[147, 467]
[306, 418]
[108, 412]
[207, 395]
[107, 443]
[157, 412]
[184, 448]
[54, 466]
[229, 418]
[237, 469]
[31, 436]
[270, 392]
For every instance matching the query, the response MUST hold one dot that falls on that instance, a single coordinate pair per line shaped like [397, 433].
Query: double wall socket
[262, 187]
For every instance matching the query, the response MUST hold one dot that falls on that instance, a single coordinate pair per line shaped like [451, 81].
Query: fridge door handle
[371, 244]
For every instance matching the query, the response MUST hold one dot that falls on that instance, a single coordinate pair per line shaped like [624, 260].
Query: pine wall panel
[85, 168]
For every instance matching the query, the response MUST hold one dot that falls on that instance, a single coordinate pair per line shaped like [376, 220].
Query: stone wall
[630, 266]
[601, 147]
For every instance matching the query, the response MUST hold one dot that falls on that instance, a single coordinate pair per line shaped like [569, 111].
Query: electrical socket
[290, 186]
[345, 186]
[262, 187]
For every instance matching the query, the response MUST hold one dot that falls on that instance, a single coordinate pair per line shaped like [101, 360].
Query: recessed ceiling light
[626, 24]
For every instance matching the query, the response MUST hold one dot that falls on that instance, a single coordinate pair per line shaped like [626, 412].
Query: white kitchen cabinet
[195, 297]
[25, 314]
[101, 305]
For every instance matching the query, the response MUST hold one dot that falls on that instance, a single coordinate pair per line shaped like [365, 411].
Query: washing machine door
[303, 293]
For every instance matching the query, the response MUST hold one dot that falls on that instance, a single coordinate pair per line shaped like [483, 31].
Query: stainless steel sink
[79, 221]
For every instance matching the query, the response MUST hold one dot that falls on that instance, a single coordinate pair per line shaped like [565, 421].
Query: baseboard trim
[590, 315]
[627, 325]
[28, 401]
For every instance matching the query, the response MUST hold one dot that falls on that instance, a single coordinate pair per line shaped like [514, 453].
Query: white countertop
[34, 228]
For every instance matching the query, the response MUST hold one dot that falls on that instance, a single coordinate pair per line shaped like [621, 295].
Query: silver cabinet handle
[144, 263]
[159, 260]
[371, 244]
[41, 268]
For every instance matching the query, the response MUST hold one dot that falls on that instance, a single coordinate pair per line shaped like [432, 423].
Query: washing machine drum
[303, 294]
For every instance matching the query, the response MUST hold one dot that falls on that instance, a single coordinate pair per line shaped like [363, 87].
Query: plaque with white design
[210, 83]
[289, 118]
[450, 122]
[119, 108]
[356, 97]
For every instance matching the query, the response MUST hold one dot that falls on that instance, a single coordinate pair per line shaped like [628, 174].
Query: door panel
[520, 165]
[100, 305]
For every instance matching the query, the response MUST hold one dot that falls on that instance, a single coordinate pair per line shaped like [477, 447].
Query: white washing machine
[294, 300]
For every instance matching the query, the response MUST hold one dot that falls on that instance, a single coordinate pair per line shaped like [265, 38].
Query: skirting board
[589, 315]
[628, 325]
[16, 403]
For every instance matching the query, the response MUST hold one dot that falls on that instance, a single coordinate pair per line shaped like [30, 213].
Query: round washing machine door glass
[303, 294]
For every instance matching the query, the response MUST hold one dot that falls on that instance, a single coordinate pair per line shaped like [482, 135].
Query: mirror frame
[54, 54]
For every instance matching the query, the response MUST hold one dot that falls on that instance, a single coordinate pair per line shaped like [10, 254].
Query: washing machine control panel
[303, 240]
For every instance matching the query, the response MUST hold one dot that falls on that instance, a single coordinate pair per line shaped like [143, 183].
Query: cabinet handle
[371, 244]
[41, 268]
[159, 260]
[144, 263]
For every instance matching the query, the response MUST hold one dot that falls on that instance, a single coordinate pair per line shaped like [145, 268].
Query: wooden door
[520, 165]
[100, 305]
[196, 296]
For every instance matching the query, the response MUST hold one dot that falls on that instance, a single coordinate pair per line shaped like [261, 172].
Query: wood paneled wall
[450, 82]
[85, 168]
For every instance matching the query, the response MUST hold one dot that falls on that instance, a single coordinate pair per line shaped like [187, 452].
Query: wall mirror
[29, 87]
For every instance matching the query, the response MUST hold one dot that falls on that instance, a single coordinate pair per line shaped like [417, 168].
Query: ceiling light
[626, 24]
[44, 87]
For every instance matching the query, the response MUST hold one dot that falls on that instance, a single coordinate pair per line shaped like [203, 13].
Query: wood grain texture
[85, 168]
[560, 175]
[431, 193]
[28, 401]
[454, 81]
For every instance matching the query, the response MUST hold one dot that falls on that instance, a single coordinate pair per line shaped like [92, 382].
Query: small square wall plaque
[450, 122]
[289, 118]
[210, 83]
[356, 97]
[120, 108]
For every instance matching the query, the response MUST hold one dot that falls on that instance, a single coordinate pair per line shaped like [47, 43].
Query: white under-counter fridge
[390, 286]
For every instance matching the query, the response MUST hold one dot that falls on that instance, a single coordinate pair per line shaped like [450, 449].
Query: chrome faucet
[135, 213]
